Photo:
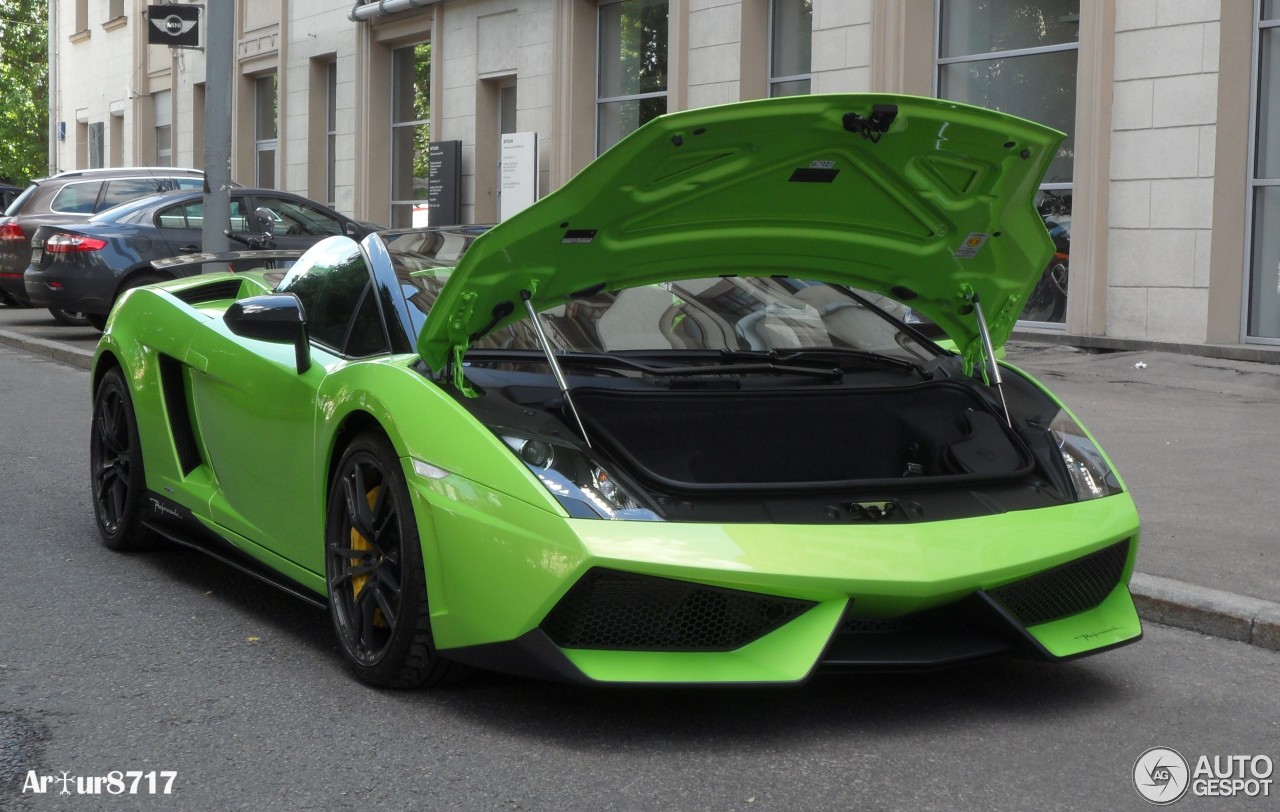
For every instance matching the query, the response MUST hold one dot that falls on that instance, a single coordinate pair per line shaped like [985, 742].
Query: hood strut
[547, 350]
[989, 359]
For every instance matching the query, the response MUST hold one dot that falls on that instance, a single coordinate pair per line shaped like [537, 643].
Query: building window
[163, 101]
[410, 134]
[1019, 56]
[631, 67]
[1264, 267]
[97, 145]
[115, 140]
[115, 8]
[331, 133]
[82, 145]
[790, 46]
[82, 16]
[265, 131]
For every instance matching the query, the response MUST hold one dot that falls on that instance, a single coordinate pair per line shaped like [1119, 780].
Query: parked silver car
[72, 197]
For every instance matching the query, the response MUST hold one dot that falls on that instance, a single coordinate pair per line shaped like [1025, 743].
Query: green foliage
[24, 89]
[421, 108]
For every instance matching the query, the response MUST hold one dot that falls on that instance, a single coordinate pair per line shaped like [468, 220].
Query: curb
[1207, 611]
[1159, 600]
[50, 349]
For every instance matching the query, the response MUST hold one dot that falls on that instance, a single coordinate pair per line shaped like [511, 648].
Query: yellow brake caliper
[359, 542]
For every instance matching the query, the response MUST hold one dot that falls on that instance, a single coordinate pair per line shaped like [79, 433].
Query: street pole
[219, 75]
[53, 88]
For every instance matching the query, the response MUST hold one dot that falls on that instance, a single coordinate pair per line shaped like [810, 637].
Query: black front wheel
[373, 566]
[117, 480]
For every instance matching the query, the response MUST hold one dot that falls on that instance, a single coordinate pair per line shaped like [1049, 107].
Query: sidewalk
[1197, 442]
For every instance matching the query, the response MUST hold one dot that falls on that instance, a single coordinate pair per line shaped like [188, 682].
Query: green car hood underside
[934, 210]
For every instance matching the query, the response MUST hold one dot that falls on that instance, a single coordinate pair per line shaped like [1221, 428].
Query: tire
[97, 321]
[374, 572]
[117, 479]
[71, 318]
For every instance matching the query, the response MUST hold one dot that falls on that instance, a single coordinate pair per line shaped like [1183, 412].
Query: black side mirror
[275, 317]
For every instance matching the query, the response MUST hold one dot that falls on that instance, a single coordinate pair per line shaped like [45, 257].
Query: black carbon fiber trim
[607, 609]
[1066, 590]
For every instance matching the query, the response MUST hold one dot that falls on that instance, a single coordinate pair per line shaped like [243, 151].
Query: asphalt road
[167, 661]
[37, 323]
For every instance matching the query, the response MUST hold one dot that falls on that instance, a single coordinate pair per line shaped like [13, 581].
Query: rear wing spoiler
[267, 258]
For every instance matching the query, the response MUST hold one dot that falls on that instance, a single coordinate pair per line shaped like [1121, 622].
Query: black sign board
[444, 182]
[178, 26]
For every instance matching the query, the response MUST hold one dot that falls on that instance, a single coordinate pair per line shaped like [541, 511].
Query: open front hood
[927, 201]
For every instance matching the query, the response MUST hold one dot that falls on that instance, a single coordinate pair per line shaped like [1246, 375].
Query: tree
[24, 89]
[422, 112]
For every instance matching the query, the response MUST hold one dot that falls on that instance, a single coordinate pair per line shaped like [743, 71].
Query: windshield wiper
[750, 365]
[840, 355]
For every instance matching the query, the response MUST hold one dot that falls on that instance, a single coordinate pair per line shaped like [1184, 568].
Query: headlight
[1090, 474]
[584, 488]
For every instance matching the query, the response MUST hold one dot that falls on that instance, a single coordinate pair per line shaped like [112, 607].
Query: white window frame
[1253, 183]
[395, 77]
[97, 145]
[331, 132]
[773, 81]
[163, 112]
[939, 62]
[261, 145]
[600, 100]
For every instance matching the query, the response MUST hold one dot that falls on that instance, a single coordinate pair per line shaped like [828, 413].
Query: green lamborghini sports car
[667, 425]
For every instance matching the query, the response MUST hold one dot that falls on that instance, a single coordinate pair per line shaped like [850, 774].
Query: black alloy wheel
[374, 572]
[117, 480]
[71, 318]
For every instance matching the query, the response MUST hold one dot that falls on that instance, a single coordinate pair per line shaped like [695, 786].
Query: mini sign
[177, 26]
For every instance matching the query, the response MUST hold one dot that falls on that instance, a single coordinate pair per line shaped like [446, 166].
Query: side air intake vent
[211, 292]
[175, 404]
[607, 609]
[1066, 590]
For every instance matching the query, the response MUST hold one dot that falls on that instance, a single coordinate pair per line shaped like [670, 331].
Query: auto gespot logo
[1162, 776]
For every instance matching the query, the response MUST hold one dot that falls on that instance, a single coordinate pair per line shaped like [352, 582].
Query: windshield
[115, 213]
[15, 208]
[721, 313]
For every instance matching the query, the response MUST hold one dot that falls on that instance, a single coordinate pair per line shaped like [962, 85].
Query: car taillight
[11, 232]
[70, 243]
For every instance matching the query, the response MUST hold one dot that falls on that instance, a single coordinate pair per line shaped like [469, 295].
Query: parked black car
[87, 267]
[8, 194]
[73, 197]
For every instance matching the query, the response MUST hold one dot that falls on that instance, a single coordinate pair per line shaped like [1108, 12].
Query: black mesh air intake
[1065, 590]
[607, 609]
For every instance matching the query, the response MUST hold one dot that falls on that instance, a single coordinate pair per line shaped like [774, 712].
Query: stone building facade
[1164, 198]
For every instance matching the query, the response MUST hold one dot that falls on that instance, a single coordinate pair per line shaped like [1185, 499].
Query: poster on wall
[518, 178]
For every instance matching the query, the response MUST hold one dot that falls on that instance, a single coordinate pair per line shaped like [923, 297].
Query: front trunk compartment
[871, 449]
[789, 440]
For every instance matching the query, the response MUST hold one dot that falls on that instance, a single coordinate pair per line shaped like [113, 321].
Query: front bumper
[873, 596]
